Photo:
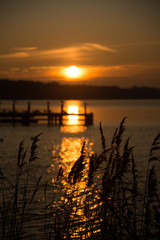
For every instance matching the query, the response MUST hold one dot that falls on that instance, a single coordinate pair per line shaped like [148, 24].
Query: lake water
[61, 146]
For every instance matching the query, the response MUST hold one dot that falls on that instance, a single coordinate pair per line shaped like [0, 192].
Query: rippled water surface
[61, 146]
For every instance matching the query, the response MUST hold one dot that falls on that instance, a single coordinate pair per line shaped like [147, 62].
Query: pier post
[60, 120]
[28, 113]
[61, 114]
[48, 112]
[85, 108]
[85, 113]
[27, 121]
[29, 107]
[26, 116]
[62, 105]
[13, 112]
[89, 119]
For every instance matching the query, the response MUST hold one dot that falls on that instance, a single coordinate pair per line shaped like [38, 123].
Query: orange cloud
[25, 49]
[68, 52]
[15, 55]
[126, 70]
[96, 46]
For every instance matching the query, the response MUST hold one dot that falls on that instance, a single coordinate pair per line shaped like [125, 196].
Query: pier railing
[51, 118]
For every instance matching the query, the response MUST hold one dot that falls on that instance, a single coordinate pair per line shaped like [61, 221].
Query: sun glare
[73, 119]
[73, 72]
[73, 109]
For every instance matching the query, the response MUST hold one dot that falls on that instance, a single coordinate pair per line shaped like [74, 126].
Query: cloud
[41, 68]
[62, 53]
[16, 69]
[131, 44]
[25, 49]
[124, 70]
[96, 46]
[15, 55]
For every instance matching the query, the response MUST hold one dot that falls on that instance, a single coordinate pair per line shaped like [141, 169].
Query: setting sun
[73, 71]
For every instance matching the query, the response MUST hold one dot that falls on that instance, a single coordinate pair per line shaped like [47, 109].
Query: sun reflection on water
[75, 197]
[73, 129]
[70, 151]
[73, 109]
[65, 154]
[73, 119]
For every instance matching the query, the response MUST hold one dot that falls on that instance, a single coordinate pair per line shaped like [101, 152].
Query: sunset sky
[111, 42]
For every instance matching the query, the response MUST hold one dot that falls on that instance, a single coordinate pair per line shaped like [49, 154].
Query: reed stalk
[101, 198]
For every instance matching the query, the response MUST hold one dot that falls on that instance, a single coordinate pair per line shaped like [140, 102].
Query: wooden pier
[51, 118]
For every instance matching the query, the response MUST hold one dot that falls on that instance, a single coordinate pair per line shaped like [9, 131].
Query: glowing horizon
[103, 41]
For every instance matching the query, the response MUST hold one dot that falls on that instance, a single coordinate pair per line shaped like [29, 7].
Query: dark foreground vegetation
[101, 198]
[53, 90]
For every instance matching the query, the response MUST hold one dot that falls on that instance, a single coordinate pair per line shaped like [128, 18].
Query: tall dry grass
[99, 199]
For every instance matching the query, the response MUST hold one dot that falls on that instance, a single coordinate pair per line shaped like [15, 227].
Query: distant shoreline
[23, 90]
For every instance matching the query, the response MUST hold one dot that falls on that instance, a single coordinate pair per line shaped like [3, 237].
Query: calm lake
[61, 146]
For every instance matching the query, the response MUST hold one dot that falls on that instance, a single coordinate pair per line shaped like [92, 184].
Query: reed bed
[101, 198]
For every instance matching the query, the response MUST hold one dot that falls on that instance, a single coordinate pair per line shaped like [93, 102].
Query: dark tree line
[37, 90]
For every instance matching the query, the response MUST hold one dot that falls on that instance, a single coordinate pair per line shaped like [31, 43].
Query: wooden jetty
[52, 118]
